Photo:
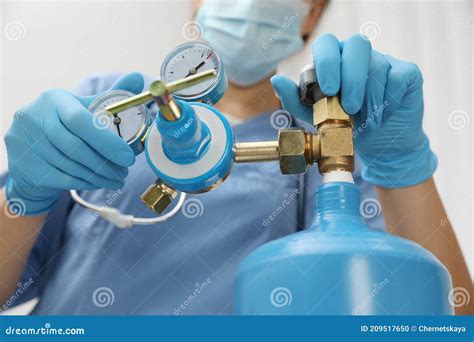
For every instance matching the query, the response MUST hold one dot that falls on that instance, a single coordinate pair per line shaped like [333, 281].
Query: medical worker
[75, 262]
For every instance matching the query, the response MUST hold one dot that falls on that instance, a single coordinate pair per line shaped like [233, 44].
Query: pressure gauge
[188, 59]
[131, 124]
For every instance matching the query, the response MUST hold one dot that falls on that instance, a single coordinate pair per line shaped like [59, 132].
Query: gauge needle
[194, 70]
[118, 130]
[117, 122]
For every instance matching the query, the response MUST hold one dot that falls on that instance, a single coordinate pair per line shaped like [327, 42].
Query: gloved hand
[385, 96]
[55, 144]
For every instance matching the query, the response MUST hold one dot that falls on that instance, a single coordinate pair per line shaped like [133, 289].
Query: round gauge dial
[189, 59]
[129, 124]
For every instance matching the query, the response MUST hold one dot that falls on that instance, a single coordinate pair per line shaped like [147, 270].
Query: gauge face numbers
[128, 124]
[190, 59]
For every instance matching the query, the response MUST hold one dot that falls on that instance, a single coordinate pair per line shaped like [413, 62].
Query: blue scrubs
[81, 264]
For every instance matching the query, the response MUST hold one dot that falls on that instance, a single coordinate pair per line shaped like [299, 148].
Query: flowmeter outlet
[158, 196]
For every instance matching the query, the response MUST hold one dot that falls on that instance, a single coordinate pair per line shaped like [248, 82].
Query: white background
[60, 42]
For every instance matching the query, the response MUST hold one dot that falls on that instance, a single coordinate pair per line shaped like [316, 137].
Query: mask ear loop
[124, 221]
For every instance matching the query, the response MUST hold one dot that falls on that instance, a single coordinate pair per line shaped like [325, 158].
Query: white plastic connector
[123, 221]
[338, 176]
[115, 217]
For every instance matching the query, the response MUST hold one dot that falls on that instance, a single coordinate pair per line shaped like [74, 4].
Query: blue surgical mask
[252, 36]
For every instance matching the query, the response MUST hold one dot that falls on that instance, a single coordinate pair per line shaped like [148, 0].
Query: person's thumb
[133, 82]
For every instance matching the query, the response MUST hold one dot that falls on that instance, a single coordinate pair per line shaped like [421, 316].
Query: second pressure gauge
[188, 59]
[131, 125]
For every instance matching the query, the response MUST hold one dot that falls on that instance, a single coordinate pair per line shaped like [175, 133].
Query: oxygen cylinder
[339, 266]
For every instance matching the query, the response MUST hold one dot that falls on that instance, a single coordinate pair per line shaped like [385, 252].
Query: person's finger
[78, 120]
[356, 53]
[375, 89]
[63, 181]
[404, 83]
[396, 86]
[133, 82]
[77, 150]
[86, 100]
[287, 92]
[70, 167]
[327, 62]
[47, 175]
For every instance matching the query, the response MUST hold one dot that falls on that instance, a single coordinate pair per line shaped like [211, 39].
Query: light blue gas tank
[341, 267]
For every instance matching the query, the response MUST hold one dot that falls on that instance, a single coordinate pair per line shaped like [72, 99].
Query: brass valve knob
[161, 94]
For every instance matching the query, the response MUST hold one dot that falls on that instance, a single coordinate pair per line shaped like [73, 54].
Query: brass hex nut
[291, 144]
[329, 108]
[158, 197]
[336, 142]
[336, 148]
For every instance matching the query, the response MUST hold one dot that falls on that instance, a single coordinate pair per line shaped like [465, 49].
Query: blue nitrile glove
[55, 144]
[385, 96]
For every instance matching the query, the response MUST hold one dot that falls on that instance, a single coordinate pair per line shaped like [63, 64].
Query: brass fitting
[331, 147]
[336, 148]
[328, 109]
[292, 148]
[158, 196]
[297, 150]
[334, 127]
[258, 151]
